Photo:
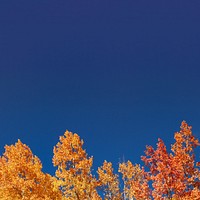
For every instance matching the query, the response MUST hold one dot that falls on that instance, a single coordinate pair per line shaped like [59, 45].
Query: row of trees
[173, 175]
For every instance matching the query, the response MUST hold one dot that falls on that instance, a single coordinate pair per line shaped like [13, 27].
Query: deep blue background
[119, 73]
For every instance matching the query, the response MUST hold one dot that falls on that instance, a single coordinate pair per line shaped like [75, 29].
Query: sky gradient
[118, 73]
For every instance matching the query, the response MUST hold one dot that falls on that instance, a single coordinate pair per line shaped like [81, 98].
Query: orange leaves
[135, 181]
[109, 182]
[21, 176]
[68, 149]
[74, 168]
[173, 175]
[185, 141]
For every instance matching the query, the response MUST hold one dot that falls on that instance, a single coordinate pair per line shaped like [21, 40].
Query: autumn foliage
[173, 175]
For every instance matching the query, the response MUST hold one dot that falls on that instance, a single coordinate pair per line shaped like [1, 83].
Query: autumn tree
[74, 169]
[21, 176]
[109, 182]
[174, 175]
[188, 182]
[135, 181]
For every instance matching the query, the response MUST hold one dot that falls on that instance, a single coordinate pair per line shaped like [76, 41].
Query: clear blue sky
[119, 73]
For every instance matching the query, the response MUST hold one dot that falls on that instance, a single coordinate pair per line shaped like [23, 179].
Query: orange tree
[75, 179]
[165, 175]
[21, 176]
[174, 175]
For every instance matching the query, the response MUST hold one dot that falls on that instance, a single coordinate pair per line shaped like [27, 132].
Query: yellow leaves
[106, 173]
[74, 168]
[68, 149]
[109, 181]
[129, 171]
[21, 176]
[135, 181]
[171, 176]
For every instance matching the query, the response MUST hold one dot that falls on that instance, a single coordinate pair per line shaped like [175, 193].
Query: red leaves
[171, 175]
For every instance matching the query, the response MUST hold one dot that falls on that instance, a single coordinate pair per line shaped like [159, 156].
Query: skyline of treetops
[164, 175]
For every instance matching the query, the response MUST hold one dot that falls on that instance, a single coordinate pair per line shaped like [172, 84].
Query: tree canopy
[173, 175]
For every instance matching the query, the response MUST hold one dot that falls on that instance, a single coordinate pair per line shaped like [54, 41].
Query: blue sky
[119, 73]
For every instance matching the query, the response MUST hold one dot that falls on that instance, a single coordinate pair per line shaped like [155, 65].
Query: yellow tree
[171, 176]
[74, 169]
[135, 182]
[109, 182]
[21, 176]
